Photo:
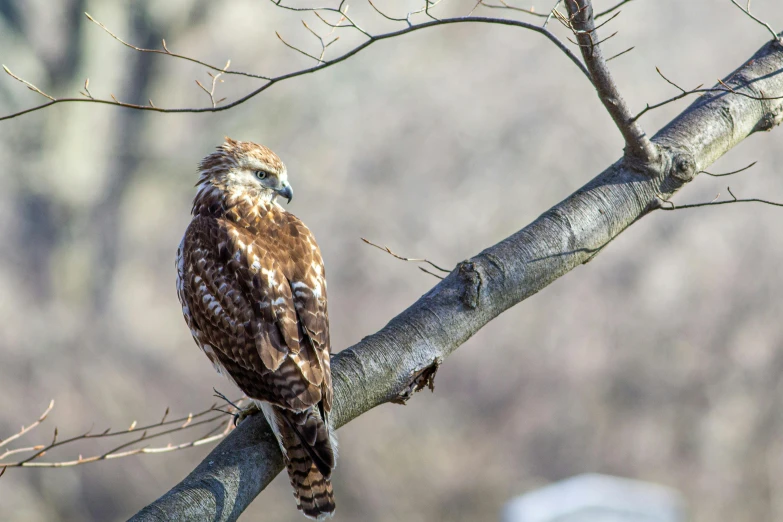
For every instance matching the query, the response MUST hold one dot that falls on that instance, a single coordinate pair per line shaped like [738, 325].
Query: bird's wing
[242, 309]
[307, 278]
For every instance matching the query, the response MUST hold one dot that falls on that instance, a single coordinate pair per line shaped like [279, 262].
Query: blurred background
[660, 360]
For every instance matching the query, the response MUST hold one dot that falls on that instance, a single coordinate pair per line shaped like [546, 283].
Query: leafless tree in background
[390, 365]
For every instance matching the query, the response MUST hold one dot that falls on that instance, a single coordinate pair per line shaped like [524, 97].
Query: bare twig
[87, 93]
[713, 203]
[728, 173]
[620, 54]
[295, 48]
[698, 90]
[611, 9]
[174, 426]
[552, 12]
[746, 10]
[410, 259]
[320, 38]
[505, 5]
[165, 51]
[210, 92]
[371, 39]
[28, 84]
[581, 22]
[32, 426]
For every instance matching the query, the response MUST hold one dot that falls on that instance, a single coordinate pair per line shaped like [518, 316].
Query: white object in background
[597, 498]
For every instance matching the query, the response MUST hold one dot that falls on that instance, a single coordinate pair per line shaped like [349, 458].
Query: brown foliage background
[659, 360]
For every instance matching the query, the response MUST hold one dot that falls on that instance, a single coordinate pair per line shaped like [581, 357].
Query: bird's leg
[243, 413]
[240, 413]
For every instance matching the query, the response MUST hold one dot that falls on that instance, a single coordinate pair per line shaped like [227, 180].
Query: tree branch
[371, 39]
[402, 357]
[581, 21]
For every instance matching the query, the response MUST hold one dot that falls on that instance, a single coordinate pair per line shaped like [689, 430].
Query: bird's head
[243, 169]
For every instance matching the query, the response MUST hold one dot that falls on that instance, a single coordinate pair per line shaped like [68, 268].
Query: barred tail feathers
[309, 450]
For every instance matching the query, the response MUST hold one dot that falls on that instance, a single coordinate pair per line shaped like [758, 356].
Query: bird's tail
[309, 448]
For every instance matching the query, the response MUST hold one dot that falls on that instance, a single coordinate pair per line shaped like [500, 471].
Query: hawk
[252, 285]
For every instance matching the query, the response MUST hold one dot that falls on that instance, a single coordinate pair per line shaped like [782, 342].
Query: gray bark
[402, 357]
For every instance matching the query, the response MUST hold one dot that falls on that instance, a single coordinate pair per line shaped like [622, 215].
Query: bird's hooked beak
[286, 191]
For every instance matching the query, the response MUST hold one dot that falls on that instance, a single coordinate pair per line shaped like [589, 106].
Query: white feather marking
[299, 284]
[269, 412]
[279, 301]
[270, 276]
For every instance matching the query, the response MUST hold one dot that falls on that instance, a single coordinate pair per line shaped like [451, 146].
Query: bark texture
[392, 363]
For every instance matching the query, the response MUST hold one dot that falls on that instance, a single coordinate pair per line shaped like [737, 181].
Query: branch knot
[471, 277]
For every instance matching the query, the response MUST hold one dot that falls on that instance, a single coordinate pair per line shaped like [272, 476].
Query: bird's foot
[239, 413]
[243, 413]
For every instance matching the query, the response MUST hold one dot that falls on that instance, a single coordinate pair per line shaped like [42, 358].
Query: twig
[746, 10]
[698, 90]
[505, 5]
[322, 65]
[552, 12]
[295, 48]
[620, 54]
[210, 92]
[430, 273]
[28, 84]
[728, 173]
[32, 426]
[178, 425]
[166, 51]
[87, 93]
[611, 9]
[410, 259]
[581, 22]
[714, 203]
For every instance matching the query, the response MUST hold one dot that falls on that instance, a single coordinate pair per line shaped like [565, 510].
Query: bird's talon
[243, 413]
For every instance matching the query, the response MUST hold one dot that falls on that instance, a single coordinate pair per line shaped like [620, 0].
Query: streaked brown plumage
[252, 286]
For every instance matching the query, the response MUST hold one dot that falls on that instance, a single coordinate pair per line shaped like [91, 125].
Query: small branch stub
[472, 280]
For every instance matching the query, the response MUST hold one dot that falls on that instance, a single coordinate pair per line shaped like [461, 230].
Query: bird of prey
[252, 285]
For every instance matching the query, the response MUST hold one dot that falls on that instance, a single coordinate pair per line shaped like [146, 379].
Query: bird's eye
[260, 174]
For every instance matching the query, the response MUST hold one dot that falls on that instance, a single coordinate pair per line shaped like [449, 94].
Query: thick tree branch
[400, 358]
[581, 21]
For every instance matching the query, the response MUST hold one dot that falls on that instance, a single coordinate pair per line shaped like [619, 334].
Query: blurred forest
[660, 360]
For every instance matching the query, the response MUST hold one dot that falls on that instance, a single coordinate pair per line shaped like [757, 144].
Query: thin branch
[713, 203]
[210, 92]
[505, 5]
[297, 49]
[582, 24]
[175, 426]
[698, 90]
[552, 12]
[611, 9]
[728, 173]
[328, 63]
[165, 51]
[32, 426]
[87, 93]
[746, 10]
[401, 258]
[621, 53]
[29, 85]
